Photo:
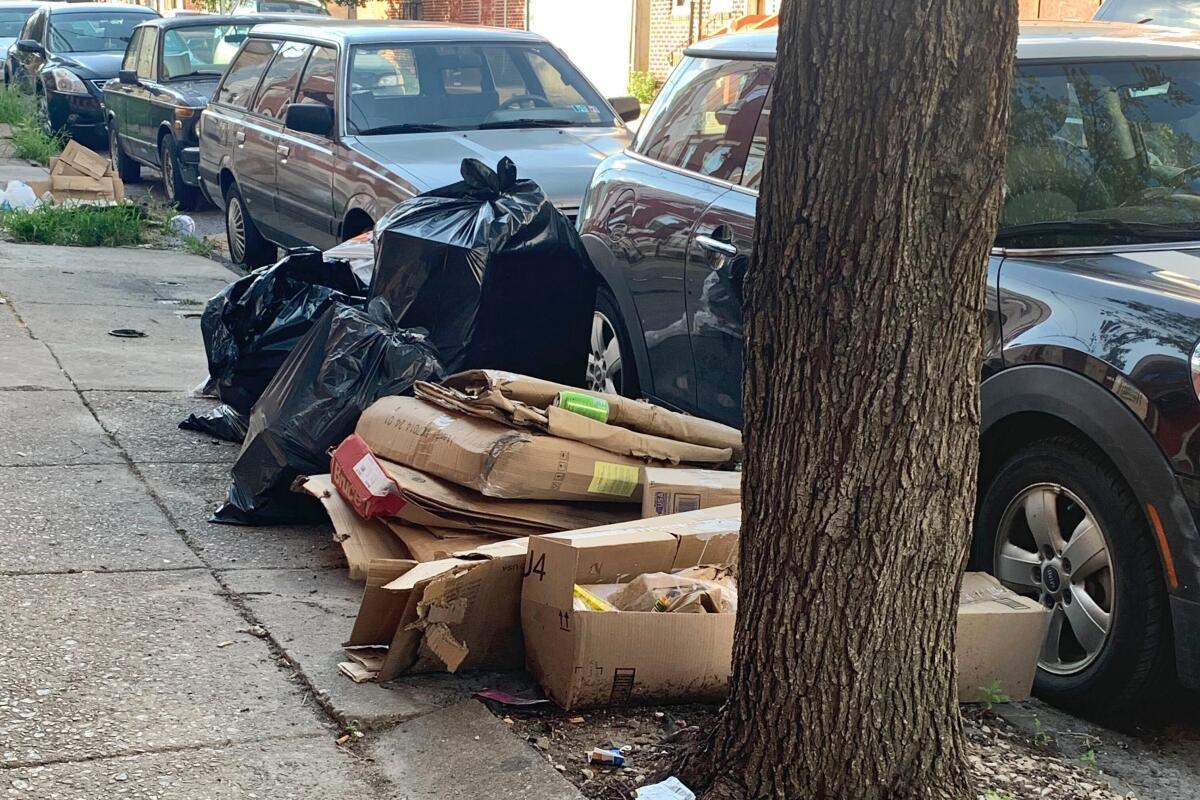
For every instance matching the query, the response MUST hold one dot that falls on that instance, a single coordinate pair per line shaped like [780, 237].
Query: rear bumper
[189, 165]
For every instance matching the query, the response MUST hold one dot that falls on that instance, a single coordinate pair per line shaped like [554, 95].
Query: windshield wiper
[1145, 231]
[197, 74]
[527, 123]
[404, 127]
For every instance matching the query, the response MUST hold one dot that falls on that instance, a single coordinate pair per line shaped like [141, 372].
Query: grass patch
[33, 144]
[198, 245]
[77, 225]
[15, 108]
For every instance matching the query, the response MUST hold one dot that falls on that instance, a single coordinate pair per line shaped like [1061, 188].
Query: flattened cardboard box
[1000, 635]
[362, 540]
[675, 491]
[623, 412]
[494, 459]
[590, 658]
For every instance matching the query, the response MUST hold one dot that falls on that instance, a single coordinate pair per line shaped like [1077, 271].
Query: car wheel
[185, 197]
[246, 245]
[49, 126]
[1057, 523]
[610, 366]
[128, 170]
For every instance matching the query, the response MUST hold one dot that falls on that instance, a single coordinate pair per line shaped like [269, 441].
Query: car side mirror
[128, 77]
[627, 108]
[30, 46]
[313, 118]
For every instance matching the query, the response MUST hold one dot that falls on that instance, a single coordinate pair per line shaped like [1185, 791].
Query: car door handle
[715, 245]
[239, 137]
[283, 151]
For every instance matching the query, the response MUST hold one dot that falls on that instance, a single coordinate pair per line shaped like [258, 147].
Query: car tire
[49, 126]
[246, 245]
[1064, 484]
[128, 170]
[177, 191]
[610, 367]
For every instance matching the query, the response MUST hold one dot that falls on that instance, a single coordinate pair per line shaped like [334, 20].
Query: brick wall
[500, 13]
[1058, 9]
[675, 24]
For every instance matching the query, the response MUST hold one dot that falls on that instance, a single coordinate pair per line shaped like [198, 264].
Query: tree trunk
[863, 319]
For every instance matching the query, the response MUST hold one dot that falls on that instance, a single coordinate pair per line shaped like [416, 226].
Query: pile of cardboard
[489, 456]
[80, 175]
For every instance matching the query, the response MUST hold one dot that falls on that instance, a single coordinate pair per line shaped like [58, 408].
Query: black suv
[1090, 472]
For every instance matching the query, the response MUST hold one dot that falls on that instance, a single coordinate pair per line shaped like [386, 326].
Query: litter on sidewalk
[674, 491]
[82, 175]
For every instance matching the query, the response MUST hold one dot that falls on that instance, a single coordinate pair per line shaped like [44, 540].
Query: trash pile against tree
[499, 516]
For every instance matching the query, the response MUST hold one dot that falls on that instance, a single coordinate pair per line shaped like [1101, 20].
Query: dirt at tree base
[1005, 764]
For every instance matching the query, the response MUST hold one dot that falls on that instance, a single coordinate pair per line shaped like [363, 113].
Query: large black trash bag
[253, 323]
[349, 359]
[494, 272]
[222, 422]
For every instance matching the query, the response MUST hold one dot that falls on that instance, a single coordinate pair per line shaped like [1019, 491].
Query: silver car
[318, 129]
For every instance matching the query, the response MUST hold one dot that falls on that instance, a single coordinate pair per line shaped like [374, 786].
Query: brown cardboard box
[589, 658]
[674, 491]
[494, 459]
[626, 413]
[459, 613]
[1000, 635]
[362, 540]
[492, 404]
[81, 160]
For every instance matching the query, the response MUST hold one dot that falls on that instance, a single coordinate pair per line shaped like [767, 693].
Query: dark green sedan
[170, 70]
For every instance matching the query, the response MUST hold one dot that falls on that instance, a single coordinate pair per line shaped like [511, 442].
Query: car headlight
[66, 81]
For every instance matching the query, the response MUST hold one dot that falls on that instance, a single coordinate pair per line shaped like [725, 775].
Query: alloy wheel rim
[604, 357]
[112, 149]
[236, 223]
[1050, 547]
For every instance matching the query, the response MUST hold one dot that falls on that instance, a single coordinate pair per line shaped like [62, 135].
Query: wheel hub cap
[1050, 547]
[604, 357]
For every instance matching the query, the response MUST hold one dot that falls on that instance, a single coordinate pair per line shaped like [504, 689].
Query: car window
[200, 51]
[12, 21]
[1172, 13]
[464, 86]
[133, 51]
[285, 7]
[279, 84]
[320, 77]
[146, 54]
[704, 124]
[752, 173]
[37, 27]
[242, 77]
[92, 32]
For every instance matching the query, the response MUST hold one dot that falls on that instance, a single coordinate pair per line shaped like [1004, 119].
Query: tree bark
[863, 316]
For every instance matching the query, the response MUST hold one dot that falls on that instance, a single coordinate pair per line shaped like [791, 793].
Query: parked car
[318, 129]
[1171, 13]
[1090, 471]
[281, 7]
[65, 54]
[12, 19]
[170, 70]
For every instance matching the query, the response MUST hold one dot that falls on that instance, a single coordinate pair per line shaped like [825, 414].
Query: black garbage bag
[494, 272]
[349, 359]
[253, 323]
[223, 422]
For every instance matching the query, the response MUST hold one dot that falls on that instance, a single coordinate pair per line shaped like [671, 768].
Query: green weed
[77, 225]
[32, 143]
[15, 107]
[992, 695]
[1089, 759]
[198, 245]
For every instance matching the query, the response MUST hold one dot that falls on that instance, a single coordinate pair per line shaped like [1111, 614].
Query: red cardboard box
[362, 480]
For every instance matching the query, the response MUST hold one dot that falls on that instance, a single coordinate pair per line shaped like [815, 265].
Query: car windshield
[11, 20]
[431, 87]
[1174, 13]
[1103, 153]
[284, 7]
[93, 32]
[200, 51]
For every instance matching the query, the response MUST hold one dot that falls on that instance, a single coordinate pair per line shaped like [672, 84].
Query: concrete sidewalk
[129, 662]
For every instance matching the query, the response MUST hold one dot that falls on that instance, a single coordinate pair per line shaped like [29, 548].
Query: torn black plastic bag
[253, 323]
[223, 422]
[349, 359]
[494, 272]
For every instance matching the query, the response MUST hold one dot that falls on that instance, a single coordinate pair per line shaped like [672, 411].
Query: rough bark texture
[863, 321]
